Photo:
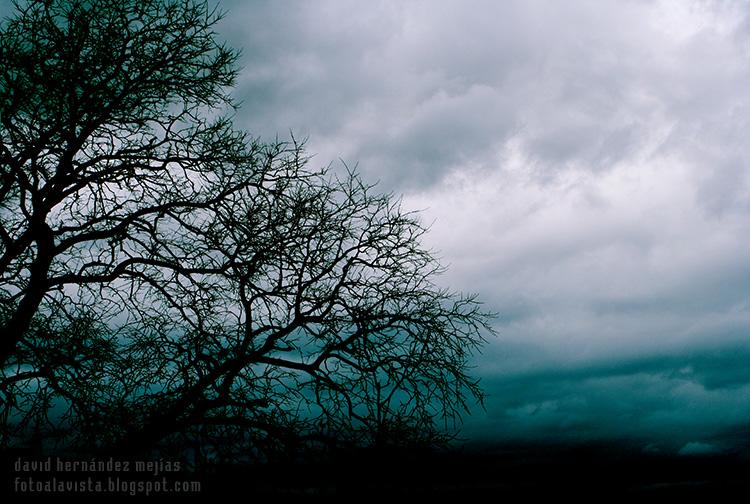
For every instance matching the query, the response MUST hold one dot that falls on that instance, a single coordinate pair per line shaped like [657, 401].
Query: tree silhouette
[167, 281]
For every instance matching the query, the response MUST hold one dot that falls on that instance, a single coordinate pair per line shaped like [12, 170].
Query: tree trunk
[12, 332]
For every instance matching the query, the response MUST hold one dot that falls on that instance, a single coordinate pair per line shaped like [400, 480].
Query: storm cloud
[584, 166]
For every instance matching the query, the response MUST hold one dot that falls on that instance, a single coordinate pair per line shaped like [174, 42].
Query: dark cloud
[585, 167]
[680, 403]
[584, 164]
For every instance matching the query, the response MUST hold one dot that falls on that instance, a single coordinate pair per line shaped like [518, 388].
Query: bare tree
[166, 280]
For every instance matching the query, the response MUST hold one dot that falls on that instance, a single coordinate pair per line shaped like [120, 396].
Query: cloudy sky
[585, 168]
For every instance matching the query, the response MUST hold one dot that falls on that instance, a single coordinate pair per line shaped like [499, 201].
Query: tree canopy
[168, 280]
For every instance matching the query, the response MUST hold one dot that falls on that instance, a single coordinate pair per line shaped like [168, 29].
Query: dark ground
[599, 471]
[590, 470]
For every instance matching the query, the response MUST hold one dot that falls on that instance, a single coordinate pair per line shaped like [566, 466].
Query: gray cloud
[585, 166]
[414, 91]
